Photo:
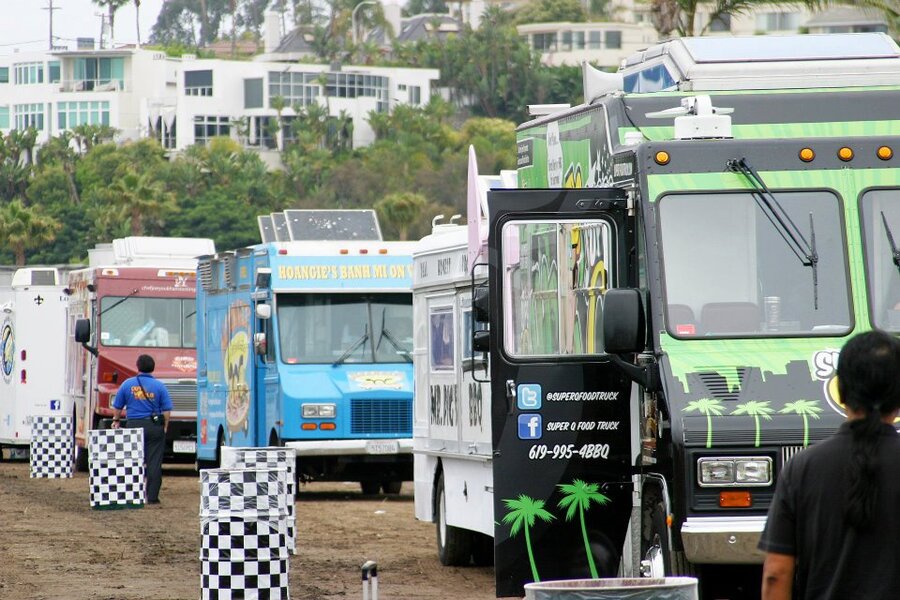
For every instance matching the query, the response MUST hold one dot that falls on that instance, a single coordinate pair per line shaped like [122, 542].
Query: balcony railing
[92, 85]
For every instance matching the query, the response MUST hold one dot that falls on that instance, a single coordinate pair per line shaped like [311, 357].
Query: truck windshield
[881, 237]
[730, 273]
[147, 322]
[344, 328]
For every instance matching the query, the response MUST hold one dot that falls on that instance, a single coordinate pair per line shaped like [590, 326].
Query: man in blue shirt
[147, 405]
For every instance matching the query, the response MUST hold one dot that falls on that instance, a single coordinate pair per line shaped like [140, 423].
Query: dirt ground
[53, 546]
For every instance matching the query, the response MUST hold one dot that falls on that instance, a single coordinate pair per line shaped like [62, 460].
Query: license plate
[382, 446]
[184, 447]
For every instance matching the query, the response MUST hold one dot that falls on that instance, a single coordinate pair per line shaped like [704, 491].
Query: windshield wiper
[804, 250]
[887, 231]
[353, 348]
[115, 304]
[387, 334]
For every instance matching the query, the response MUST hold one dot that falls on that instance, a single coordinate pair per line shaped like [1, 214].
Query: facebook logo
[528, 396]
[55, 405]
[530, 427]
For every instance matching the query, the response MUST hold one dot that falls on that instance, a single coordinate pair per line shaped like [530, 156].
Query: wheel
[391, 487]
[482, 550]
[370, 488]
[454, 544]
[656, 555]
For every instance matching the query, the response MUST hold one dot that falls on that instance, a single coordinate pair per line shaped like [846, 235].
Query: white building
[182, 101]
[601, 43]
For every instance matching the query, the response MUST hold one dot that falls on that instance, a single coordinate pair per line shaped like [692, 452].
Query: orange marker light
[662, 157]
[344, 251]
[735, 500]
[845, 154]
[885, 153]
[807, 155]
[382, 251]
[328, 426]
[308, 426]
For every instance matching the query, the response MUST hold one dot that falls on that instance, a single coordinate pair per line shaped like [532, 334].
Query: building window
[198, 83]
[253, 93]
[29, 115]
[53, 71]
[297, 89]
[29, 73]
[4, 117]
[721, 23]
[544, 42]
[73, 114]
[578, 40]
[262, 132]
[208, 127]
[101, 74]
[778, 21]
[566, 41]
[4, 74]
[613, 40]
[595, 40]
[164, 134]
[357, 85]
[415, 95]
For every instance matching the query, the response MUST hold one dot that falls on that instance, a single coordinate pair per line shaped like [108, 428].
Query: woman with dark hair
[833, 528]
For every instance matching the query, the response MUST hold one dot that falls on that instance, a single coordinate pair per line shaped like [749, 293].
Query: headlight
[319, 411]
[734, 471]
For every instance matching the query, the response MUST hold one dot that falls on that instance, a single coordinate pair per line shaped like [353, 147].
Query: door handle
[510, 395]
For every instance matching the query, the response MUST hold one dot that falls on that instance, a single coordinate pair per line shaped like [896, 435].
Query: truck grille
[184, 395]
[381, 416]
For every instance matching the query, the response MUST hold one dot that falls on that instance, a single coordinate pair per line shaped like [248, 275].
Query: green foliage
[418, 7]
[23, 227]
[400, 210]
[551, 11]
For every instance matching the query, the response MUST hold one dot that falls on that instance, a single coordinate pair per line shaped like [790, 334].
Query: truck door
[560, 410]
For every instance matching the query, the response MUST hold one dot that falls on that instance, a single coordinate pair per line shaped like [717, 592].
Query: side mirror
[259, 343]
[481, 342]
[83, 331]
[481, 305]
[264, 311]
[624, 327]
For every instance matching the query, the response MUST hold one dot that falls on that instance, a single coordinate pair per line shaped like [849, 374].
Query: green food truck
[669, 289]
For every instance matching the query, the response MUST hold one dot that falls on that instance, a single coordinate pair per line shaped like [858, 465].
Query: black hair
[145, 363]
[868, 382]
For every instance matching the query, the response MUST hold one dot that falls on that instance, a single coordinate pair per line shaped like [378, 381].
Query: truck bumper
[378, 447]
[723, 540]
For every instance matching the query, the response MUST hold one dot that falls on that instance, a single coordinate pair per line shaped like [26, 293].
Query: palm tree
[401, 209]
[523, 512]
[708, 407]
[137, 20]
[59, 150]
[755, 409]
[141, 196]
[806, 409]
[111, 7]
[578, 496]
[278, 103]
[24, 227]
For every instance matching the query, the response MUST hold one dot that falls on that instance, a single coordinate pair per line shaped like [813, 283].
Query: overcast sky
[25, 25]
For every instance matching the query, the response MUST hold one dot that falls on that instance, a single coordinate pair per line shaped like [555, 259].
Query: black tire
[454, 544]
[482, 550]
[370, 488]
[655, 534]
[391, 487]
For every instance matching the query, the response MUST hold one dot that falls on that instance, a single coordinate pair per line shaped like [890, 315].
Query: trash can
[639, 588]
[116, 473]
[52, 447]
[243, 534]
[269, 457]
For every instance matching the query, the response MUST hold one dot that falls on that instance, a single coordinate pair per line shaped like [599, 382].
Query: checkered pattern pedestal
[269, 457]
[243, 530]
[52, 447]
[116, 474]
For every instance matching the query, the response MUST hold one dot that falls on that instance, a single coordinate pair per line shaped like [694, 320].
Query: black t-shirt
[806, 520]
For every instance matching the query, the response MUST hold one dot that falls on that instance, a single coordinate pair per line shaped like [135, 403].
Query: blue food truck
[306, 343]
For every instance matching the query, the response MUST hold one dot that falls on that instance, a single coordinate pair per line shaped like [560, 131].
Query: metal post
[370, 578]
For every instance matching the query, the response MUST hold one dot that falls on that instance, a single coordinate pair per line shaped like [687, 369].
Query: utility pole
[50, 8]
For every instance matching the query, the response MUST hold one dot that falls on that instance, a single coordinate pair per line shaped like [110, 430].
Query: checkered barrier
[269, 457]
[243, 532]
[52, 447]
[116, 474]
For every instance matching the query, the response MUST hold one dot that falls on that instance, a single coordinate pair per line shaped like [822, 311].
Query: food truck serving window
[881, 225]
[729, 271]
[555, 274]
